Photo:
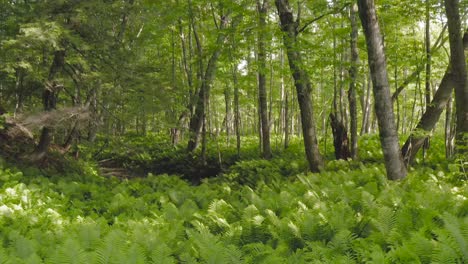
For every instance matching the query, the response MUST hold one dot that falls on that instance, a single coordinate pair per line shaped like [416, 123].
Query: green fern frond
[89, 236]
[111, 248]
[162, 254]
[4, 258]
[385, 220]
[68, 253]
[444, 254]
[342, 240]
[134, 255]
[454, 229]
[33, 259]
[421, 246]
[22, 247]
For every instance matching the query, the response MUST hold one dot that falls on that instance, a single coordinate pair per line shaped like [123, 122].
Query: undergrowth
[255, 211]
[251, 214]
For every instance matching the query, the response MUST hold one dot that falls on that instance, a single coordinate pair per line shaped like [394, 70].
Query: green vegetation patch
[245, 216]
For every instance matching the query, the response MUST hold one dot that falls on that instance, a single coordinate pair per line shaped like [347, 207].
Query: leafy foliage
[257, 212]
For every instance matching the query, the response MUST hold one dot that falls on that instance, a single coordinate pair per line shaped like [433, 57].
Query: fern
[21, 246]
[111, 248]
[342, 241]
[69, 253]
[89, 236]
[3, 257]
[134, 255]
[459, 236]
[162, 254]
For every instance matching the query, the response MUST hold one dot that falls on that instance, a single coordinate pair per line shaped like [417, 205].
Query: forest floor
[138, 205]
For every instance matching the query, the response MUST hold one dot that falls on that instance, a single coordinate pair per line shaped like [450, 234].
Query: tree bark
[448, 129]
[366, 112]
[49, 97]
[94, 116]
[353, 71]
[196, 121]
[19, 90]
[262, 9]
[340, 138]
[302, 83]
[228, 117]
[458, 63]
[383, 102]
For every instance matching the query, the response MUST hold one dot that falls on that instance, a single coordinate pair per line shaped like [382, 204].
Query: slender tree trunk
[338, 114]
[124, 21]
[283, 98]
[302, 83]
[236, 109]
[458, 63]
[287, 120]
[228, 117]
[92, 125]
[365, 129]
[353, 71]
[19, 91]
[262, 9]
[383, 101]
[412, 77]
[196, 121]
[449, 146]
[428, 68]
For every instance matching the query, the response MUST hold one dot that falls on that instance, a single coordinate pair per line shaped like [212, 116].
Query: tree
[432, 114]
[353, 71]
[458, 64]
[383, 102]
[302, 82]
[49, 97]
[262, 9]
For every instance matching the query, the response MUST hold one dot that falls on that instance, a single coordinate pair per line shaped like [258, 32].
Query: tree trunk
[236, 109]
[287, 120]
[383, 101]
[448, 129]
[429, 119]
[458, 63]
[49, 97]
[432, 114]
[340, 138]
[428, 68]
[19, 90]
[302, 83]
[196, 121]
[92, 127]
[353, 71]
[228, 117]
[367, 108]
[262, 8]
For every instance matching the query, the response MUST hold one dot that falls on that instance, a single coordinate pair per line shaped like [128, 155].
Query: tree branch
[331, 12]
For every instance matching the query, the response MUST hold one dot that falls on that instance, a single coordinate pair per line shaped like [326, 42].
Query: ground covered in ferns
[253, 211]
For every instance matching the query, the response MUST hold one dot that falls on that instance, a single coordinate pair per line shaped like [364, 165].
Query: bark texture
[262, 8]
[383, 102]
[353, 71]
[340, 138]
[196, 121]
[302, 83]
[458, 64]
